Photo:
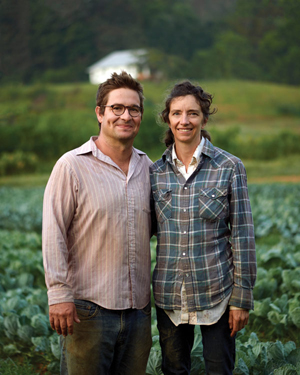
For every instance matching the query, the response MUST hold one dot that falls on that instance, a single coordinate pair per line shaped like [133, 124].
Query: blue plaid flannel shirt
[205, 233]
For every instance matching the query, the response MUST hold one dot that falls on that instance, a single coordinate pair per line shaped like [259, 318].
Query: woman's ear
[204, 123]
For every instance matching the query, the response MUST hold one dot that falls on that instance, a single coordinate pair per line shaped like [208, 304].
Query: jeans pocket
[147, 309]
[85, 309]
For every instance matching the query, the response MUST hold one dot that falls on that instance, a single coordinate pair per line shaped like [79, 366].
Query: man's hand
[62, 316]
[238, 319]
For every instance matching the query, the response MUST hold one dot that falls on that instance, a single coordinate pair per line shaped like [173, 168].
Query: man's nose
[126, 115]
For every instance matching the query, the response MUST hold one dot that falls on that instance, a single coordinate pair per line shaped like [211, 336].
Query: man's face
[186, 120]
[122, 128]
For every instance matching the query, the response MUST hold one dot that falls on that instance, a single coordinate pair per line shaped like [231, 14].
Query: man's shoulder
[70, 159]
[144, 157]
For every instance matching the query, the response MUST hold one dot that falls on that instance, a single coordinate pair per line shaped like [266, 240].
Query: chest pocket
[213, 203]
[163, 204]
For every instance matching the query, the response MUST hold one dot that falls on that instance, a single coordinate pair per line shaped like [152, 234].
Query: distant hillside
[209, 10]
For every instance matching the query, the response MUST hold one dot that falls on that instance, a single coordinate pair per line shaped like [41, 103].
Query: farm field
[269, 345]
[258, 122]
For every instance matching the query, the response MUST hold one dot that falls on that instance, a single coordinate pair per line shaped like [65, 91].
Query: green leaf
[31, 310]
[294, 357]
[276, 351]
[41, 343]
[40, 324]
[25, 279]
[154, 362]
[286, 370]
[257, 349]
[55, 345]
[25, 333]
[295, 315]
[10, 349]
[241, 368]
[289, 347]
[11, 324]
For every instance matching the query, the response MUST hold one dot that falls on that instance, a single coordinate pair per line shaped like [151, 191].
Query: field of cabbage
[270, 344]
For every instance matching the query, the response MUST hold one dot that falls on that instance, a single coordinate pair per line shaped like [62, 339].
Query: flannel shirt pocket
[213, 203]
[163, 204]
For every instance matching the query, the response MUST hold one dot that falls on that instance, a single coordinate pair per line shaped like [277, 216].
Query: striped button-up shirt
[205, 234]
[96, 230]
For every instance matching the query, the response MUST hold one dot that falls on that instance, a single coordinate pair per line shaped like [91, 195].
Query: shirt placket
[184, 222]
[131, 242]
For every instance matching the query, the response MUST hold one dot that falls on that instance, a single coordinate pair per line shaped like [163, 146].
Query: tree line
[55, 40]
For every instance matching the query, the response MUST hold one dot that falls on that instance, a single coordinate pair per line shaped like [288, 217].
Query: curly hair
[203, 98]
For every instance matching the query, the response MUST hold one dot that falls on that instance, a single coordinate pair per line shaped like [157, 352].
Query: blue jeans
[177, 342]
[107, 342]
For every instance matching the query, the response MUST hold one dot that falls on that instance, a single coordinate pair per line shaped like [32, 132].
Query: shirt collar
[90, 146]
[196, 156]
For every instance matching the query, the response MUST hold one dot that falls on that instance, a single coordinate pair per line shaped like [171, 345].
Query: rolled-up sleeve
[242, 240]
[59, 207]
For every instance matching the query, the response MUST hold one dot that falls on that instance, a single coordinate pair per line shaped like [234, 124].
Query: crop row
[24, 325]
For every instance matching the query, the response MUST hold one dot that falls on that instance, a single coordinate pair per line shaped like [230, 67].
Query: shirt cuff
[60, 295]
[242, 297]
[237, 308]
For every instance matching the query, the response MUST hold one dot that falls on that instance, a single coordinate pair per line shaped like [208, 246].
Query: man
[206, 265]
[96, 232]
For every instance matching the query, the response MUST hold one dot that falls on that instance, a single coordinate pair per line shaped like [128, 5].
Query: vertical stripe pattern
[96, 230]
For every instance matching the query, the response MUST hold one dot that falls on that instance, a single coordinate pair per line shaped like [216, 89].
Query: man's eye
[134, 110]
[117, 107]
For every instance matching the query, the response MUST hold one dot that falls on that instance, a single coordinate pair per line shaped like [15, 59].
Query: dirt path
[269, 179]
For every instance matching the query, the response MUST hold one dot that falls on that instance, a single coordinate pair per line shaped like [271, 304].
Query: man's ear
[98, 114]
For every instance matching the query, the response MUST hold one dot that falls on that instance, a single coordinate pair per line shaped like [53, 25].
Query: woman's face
[186, 120]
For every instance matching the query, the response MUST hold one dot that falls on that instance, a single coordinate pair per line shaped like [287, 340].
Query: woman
[206, 264]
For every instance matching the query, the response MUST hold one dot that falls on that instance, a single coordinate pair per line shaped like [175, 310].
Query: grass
[10, 367]
[30, 180]
[278, 170]
[62, 117]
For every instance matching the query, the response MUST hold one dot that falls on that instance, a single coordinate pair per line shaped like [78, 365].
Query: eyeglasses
[119, 109]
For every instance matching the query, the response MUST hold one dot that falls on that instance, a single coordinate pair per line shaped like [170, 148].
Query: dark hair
[118, 81]
[203, 98]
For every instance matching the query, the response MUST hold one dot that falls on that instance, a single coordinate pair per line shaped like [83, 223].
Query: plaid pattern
[205, 233]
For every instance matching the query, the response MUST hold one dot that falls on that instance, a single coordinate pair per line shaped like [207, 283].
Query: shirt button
[185, 188]
[183, 254]
[213, 195]
[187, 275]
[184, 232]
[184, 210]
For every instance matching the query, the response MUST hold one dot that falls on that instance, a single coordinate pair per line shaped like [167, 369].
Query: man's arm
[58, 211]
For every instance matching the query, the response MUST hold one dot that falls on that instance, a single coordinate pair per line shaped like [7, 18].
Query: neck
[185, 152]
[120, 153]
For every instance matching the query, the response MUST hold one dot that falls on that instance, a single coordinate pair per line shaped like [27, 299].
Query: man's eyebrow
[132, 105]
